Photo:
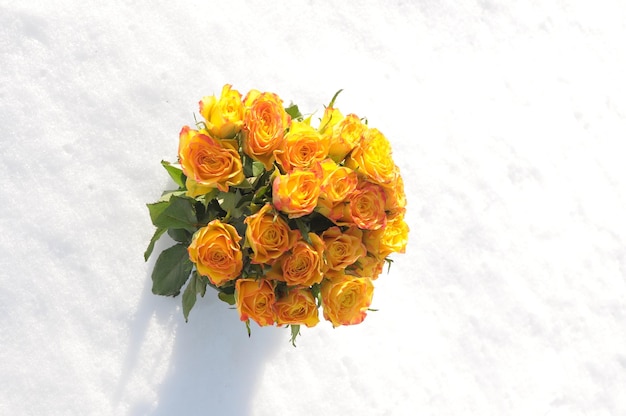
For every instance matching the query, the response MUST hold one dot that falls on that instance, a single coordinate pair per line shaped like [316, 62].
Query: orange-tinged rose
[268, 235]
[302, 265]
[371, 239]
[396, 235]
[395, 198]
[338, 181]
[208, 163]
[302, 147]
[391, 239]
[345, 136]
[216, 252]
[224, 117]
[296, 193]
[265, 122]
[346, 300]
[367, 266]
[367, 206]
[332, 116]
[342, 248]
[297, 307]
[335, 212]
[372, 158]
[255, 300]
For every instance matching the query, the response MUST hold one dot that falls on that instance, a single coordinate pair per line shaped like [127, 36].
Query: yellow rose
[216, 252]
[372, 158]
[296, 193]
[395, 198]
[331, 117]
[393, 238]
[302, 147]
[302, 265]
[342, 248]
[396, 235]
[268, 235]
[224, 117]
[367, 266]
[346, 300]
[297, 307]
[208, 163]
[338, 182]
[367, 206]
[345, 136]
[265, 122]
[255, 300]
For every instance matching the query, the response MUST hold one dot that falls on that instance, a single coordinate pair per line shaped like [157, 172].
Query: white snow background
[507, 120]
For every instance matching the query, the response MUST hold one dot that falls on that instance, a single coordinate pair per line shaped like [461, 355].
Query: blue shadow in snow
[214, 367]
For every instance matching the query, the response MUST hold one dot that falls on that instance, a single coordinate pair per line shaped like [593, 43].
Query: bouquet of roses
[279, 216]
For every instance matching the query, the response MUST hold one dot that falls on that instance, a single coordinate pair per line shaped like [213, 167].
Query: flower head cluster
[282, 217]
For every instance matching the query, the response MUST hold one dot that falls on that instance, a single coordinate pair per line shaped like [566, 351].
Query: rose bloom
[296, 193]
[265, 122]
[396, 235]
[297, 307]
[345, 136]
[338, 181]
[367, 206]
[302, 147]
[391, 239]
[395, 198]
[268, 235]
[346, 300]
[372, 158]
[367, 266]
[224, 117]
[208, 163]
[332, 116]
[342, 248]
[216, 252]
[302, 265]
[255, 300]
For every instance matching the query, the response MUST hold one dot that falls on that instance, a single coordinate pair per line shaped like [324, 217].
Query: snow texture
[508, 122]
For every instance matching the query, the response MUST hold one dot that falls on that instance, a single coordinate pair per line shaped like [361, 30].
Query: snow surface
[507, 119]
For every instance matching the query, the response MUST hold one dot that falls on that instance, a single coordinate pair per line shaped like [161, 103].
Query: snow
[507, 120]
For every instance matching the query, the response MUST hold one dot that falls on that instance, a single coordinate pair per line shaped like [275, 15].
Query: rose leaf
[189, 296]
[176, 173]
[157, 234]
[171, 271]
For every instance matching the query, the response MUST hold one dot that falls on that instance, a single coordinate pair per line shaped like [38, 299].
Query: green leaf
[257, 168]
[178, 212]
[171, 271]
[388, 261]
[295, 331]
[332, 102]
[176, 172]
[229, 202]
[260, 193]
[167, 195]
[157, 234]
[247, 165]
[317, 293]
[208, 197]
[201, 284]
[243, 185]
[180, 235]
[304, 229]
[294, 112]
[248, 327]
[228, 298]
[189, 296]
